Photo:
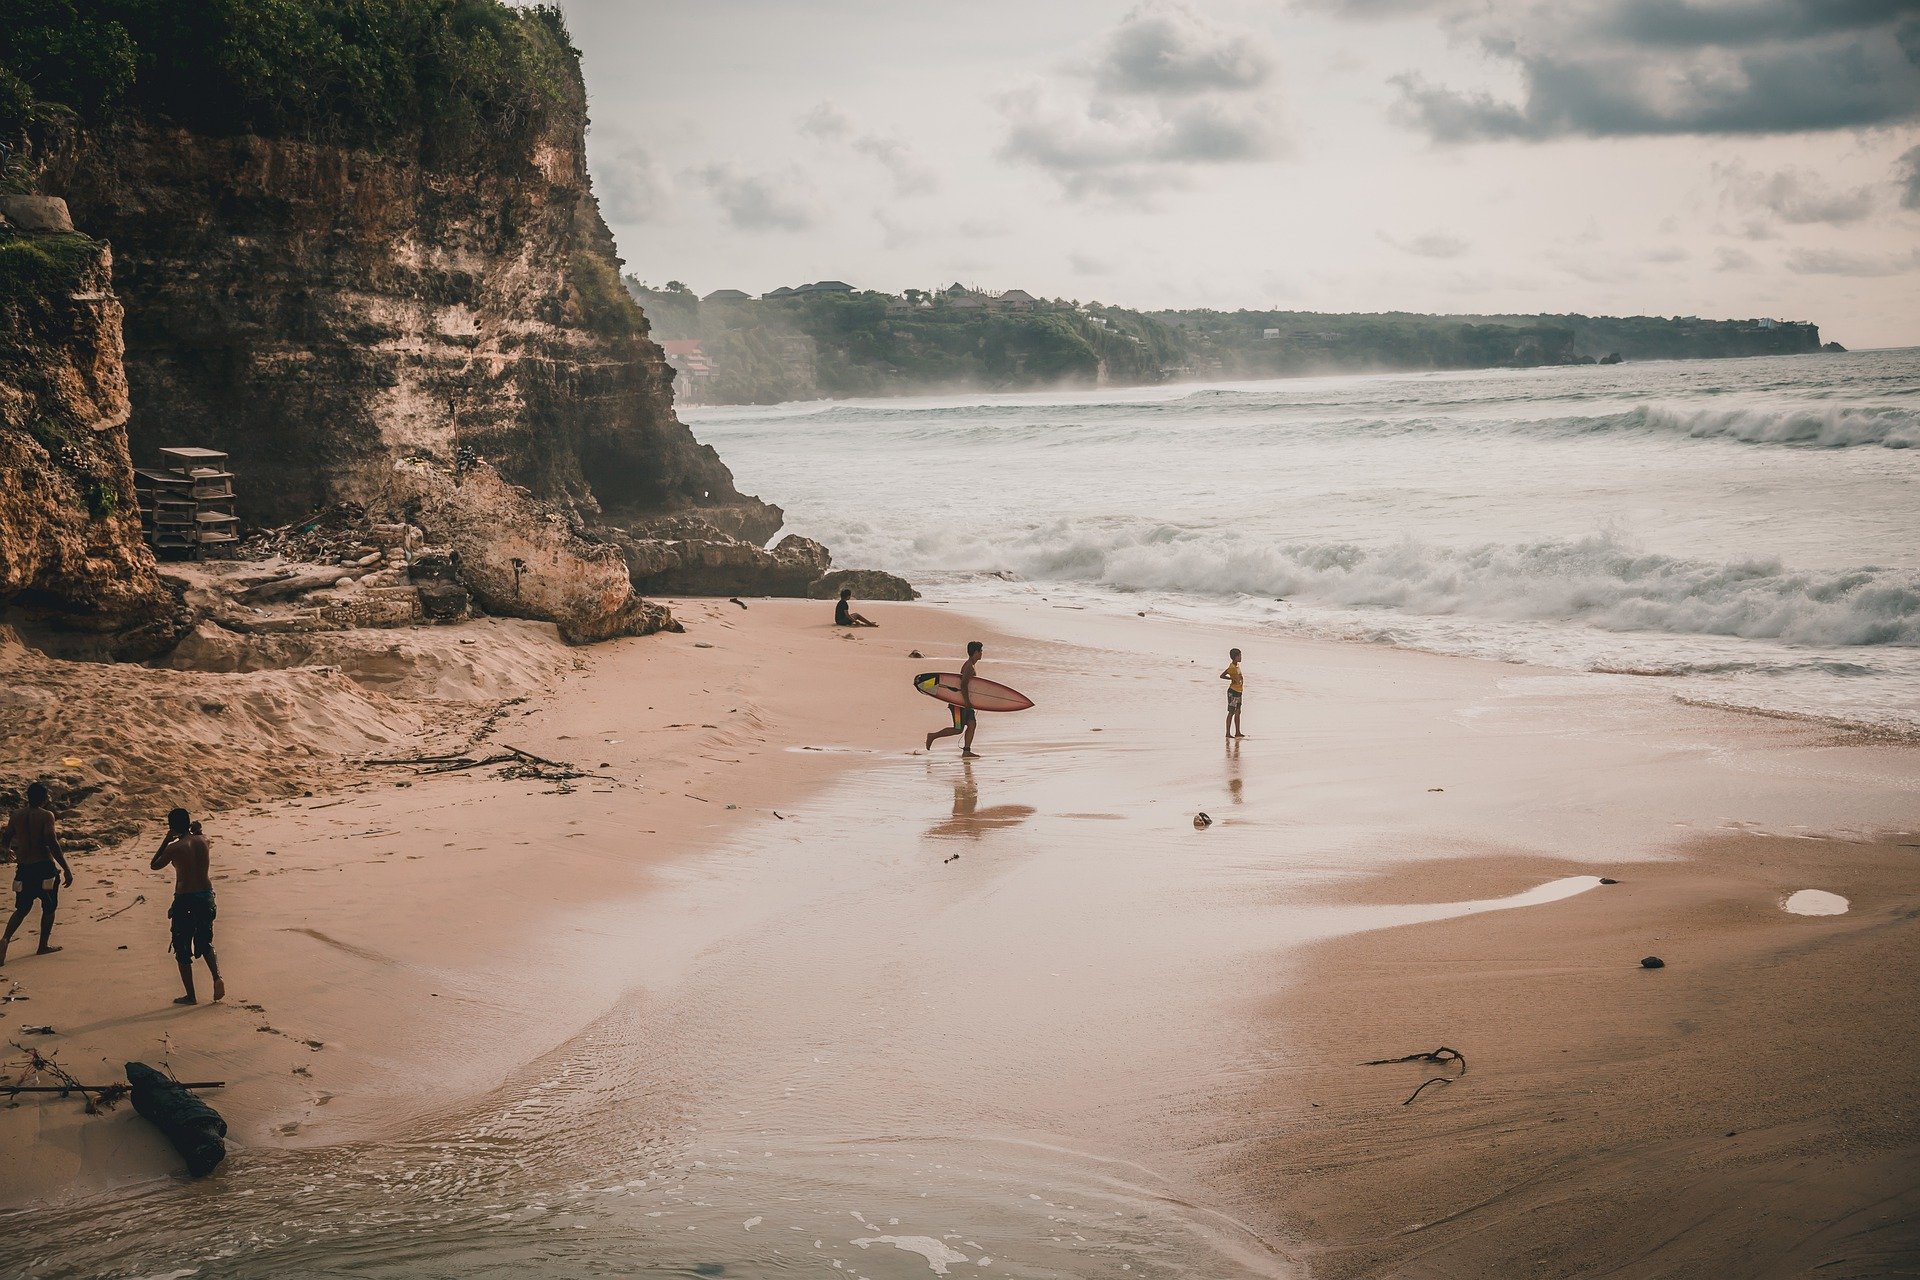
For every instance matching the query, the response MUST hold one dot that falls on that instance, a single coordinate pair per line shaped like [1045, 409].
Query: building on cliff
[697, 372]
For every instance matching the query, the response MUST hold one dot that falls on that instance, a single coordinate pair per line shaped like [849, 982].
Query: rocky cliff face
[319, 312]
[71, 556]
[443, 342]
[358, 326]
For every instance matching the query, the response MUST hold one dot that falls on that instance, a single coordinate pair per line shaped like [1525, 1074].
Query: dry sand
[1125, 983]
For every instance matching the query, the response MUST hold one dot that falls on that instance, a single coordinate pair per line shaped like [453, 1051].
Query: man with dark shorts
[965, 718]
[39, 867]
[191, 914]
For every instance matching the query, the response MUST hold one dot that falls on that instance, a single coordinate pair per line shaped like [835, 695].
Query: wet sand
[691, 1037]
[1745, 1110]
[396, 943]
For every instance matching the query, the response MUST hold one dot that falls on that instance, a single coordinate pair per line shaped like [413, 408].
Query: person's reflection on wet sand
[1233, 771]
[968, 818]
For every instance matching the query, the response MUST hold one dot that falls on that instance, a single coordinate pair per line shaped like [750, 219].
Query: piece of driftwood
[530, 758]
[195, 1129]
[523, 764]
[1443, 1055]
[1417, 1092]
[138, 898]
[285, 588]
[96, 1100]
[367, 764]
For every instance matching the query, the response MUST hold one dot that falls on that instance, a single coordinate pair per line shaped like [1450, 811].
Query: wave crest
[1821, 426]
[1593, 581]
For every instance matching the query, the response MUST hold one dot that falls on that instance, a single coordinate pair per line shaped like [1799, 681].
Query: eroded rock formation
[71, 556]
[449, 346]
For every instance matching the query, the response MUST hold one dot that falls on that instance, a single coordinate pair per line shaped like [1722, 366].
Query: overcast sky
[1695, 157]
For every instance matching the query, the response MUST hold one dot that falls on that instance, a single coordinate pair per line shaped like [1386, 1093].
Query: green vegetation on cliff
[32, 269]
[1255, 344]
[820, 341]
[452, 76]
[870, 344]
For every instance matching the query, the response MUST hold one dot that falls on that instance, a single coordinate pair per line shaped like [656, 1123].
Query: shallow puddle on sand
[1815, 902]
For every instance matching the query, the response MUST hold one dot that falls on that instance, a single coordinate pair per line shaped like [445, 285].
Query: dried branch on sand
[1443, 1055]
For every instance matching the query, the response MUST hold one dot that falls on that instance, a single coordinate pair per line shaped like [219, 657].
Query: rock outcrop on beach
[687, 555]
[71, 556]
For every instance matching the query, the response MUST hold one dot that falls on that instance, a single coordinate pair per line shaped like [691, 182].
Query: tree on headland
[451, 77]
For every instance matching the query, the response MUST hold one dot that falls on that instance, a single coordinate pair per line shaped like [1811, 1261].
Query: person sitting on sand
[843, 614]
[192, 910]
[35, 847]
[965, 719]
[1236, 685]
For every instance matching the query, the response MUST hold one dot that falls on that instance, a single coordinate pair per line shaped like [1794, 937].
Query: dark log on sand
[283, 588]
[195, 1129]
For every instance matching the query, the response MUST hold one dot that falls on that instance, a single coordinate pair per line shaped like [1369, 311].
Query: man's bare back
[190, 858]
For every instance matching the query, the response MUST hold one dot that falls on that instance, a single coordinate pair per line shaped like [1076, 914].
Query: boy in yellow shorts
[1236, 685]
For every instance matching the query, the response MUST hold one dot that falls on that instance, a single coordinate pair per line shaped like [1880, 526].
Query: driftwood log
[195, 1129]
[298, 584]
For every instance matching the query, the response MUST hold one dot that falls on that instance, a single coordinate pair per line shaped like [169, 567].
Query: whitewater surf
[1740, 530]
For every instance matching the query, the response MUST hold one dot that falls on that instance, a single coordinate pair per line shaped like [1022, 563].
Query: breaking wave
[1594, 582]
[1820, 426]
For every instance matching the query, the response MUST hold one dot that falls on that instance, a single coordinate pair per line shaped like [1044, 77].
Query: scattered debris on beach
[518, 764]
[1443, 1056]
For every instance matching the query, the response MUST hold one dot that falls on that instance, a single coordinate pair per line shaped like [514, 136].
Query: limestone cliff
[388, 284]
[344, 320]
[71, 557]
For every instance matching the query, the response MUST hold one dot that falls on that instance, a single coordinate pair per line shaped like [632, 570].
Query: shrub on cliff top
[40, 267]
[453, 76]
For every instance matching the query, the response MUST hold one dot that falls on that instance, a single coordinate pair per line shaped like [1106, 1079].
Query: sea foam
[1593, 581]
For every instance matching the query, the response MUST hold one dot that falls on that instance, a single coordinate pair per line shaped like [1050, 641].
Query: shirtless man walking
[185, 849]
[965, 718]
[35, 847]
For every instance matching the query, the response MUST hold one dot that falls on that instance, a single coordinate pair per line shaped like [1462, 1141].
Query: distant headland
[830, 339]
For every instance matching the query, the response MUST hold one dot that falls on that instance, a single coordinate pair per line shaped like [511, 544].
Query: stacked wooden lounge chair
[186, 503]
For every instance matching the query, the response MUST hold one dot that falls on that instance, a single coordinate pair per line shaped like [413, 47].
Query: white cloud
[912, 176]
[1794, 195]
[1842, 262]
[1434, 244]
[631, 184]
[762, 201]
[1168, 48]
[1167, 94]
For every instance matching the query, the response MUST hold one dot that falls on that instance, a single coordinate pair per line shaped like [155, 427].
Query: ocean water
[1746, 532]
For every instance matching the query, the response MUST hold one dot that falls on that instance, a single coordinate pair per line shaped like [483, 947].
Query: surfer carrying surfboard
[965, 718]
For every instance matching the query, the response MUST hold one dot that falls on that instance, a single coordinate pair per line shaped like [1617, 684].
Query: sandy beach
[767, 963]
